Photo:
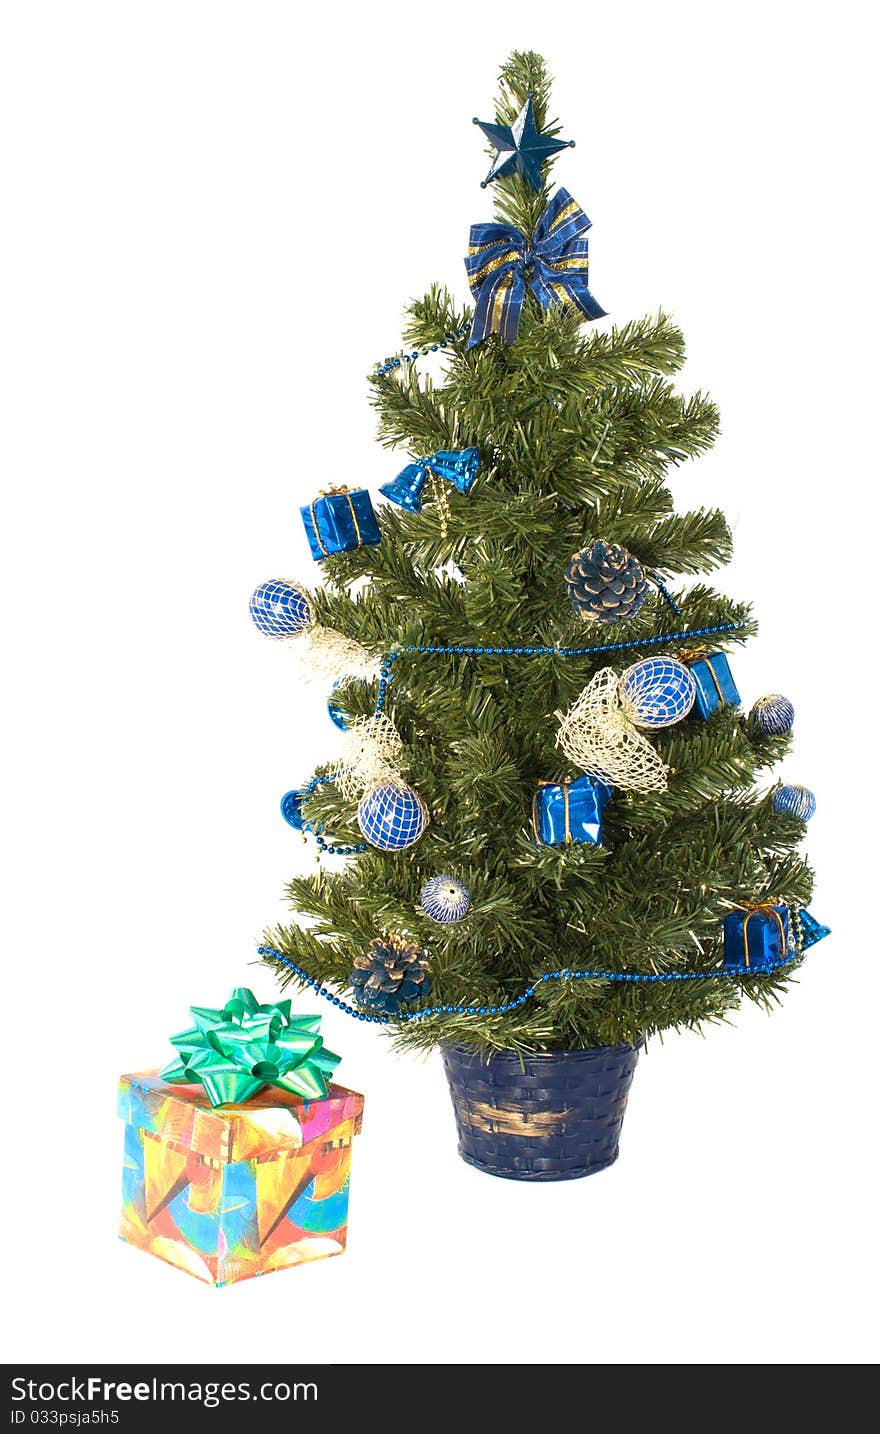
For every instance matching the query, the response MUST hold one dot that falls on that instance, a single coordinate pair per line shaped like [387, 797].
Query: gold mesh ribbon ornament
[598, 735]
[325, 655]
[370, 756]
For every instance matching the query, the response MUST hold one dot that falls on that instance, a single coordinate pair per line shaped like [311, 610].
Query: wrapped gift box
[568, 811]
[757, 937]
[340, 521]
[715, 685]
[237, 1191]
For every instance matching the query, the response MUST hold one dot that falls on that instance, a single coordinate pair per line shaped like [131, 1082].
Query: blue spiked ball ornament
[773, 714]
[445, 900]
[391, 817]
[795, 801]
[291, 809]
[280, 609]
[657, 692]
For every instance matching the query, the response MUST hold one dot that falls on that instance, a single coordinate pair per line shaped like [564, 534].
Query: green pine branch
[434, 319]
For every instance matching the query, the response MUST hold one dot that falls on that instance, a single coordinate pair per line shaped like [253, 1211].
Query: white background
[214, 215]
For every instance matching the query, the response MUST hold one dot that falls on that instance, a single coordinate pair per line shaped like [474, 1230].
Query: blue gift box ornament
[338, 521]
[715, 685]
[756, 936]
[569, 811]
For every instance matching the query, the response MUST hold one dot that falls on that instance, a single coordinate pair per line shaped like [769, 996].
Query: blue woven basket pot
[544, 1117]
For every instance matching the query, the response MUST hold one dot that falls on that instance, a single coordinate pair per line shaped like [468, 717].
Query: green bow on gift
[237, 1051]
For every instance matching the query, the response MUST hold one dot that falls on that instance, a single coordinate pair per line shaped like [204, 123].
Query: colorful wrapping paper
[230, 1193]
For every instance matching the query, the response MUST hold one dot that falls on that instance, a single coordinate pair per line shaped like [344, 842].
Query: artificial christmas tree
[514, 653]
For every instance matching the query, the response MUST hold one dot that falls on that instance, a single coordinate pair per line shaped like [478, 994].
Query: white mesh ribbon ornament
[326, 655]
[370, 756]
[390, 814]
[598, 734]
[282, 610]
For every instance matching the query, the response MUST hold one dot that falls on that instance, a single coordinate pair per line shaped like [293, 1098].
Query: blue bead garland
[392, 363]
[386, 677]
[664, 593]
[733, 973]
[471, 651]
[331, 848]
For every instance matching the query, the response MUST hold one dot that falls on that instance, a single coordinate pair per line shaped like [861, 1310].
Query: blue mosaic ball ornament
[291, 809]
[445, 900]
[773, 714]
[658, 691]
[280, 609]
[391, 817]
[796, 801]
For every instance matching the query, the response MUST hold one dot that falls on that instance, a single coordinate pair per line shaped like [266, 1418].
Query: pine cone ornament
[605, 583]
[391, 972]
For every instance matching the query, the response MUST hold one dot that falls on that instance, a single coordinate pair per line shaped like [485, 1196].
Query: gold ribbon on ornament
[564, 784]
[704, 654]
[766, 908]
[331, 493]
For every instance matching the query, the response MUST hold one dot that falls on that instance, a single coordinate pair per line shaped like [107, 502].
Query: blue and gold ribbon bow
[501, 262]
[239, 1049]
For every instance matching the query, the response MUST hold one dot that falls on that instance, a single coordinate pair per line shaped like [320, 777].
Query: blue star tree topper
[522, 149]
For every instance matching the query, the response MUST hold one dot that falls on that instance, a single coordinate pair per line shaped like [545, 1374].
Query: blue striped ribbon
[501, 264]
